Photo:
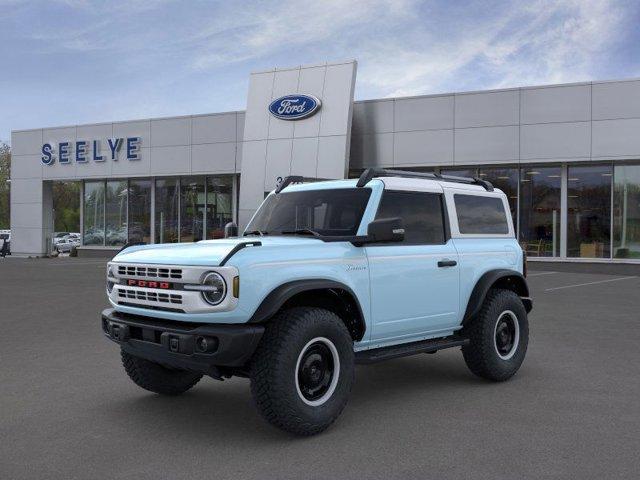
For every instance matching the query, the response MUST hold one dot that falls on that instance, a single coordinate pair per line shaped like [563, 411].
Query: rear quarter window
[480, 215]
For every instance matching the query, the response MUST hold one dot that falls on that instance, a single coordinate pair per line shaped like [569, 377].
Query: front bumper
[189, 346]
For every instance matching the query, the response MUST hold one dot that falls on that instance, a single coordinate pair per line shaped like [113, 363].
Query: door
[414, 283]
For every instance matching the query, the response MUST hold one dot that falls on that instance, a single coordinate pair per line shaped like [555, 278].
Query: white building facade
[567, 156]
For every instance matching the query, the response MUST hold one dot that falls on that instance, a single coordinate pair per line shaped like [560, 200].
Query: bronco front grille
[160, 297]
[149, 272]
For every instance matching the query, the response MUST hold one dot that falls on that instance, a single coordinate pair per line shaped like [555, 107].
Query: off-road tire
[481, 355]
[156, 378]
[274, 383]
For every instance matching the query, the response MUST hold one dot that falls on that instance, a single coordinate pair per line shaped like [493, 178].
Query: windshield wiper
[255, 232]
[301, 231]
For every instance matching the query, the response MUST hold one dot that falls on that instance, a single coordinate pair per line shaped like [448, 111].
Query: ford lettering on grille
[148, 284]
[294, 107]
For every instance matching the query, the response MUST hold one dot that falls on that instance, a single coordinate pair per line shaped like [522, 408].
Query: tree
[66, 197]
[66, 204]
[5, 169]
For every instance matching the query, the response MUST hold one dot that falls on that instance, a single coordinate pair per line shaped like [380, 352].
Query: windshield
[332, 212]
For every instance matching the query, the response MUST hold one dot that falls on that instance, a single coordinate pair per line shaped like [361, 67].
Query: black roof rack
[370, 173]
[286, 181]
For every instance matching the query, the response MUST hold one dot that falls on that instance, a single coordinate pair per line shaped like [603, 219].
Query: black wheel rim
[315, 371]
[506, 335]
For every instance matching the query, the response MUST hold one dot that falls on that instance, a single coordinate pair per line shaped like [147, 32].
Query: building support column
[234, 199]
[47, 216]
[204, 210]
[564, 211]
[153, 212]
[81, 212]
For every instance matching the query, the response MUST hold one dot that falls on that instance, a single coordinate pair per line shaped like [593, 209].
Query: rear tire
[498, 337]
[157, 378]
[303, 370]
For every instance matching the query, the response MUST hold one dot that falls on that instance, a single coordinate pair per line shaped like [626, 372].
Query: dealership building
[567, 156]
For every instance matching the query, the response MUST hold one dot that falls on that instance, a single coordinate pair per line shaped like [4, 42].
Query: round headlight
[216, 288]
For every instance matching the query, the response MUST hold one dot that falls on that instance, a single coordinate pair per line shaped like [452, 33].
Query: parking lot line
[589, 283]
[539, 273]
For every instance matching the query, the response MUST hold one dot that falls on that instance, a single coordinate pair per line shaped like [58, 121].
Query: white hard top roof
[396, 183]
[430, 184]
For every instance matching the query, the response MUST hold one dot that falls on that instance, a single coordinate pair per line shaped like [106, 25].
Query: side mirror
[230, 230]
[385, 230]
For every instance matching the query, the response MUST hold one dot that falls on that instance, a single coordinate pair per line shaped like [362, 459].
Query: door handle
[447, 263]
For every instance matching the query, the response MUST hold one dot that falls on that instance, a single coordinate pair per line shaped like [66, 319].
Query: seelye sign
[294, 107]
[82, 151]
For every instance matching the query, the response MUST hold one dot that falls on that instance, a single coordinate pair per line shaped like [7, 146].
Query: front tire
[157, 378]
[498, 337]
[303, 370]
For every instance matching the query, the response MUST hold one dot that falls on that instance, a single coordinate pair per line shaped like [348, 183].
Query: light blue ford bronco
[326, 275]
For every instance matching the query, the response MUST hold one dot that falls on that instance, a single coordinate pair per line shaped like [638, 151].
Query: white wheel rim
[336, 371]
[516, 334]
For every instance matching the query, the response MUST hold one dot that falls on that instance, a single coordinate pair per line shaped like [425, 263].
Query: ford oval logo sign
[294, 107]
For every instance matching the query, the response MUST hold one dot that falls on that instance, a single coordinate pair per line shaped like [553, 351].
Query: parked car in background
[65, 245]
[60, 237]
[94, 236]
[5, 242]
[117, 236]
[57, 236]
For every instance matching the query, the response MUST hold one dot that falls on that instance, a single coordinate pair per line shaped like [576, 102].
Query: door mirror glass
[385, 230]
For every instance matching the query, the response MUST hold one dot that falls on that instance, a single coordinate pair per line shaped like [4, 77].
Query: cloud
[566, 46]
[409, 47]
[255, 32]
[404, 47]
[545, 42]
[143, 58]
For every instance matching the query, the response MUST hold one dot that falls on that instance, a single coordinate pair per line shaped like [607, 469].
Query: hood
[204, 253]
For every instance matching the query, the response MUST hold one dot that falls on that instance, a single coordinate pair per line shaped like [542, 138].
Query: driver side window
[421, 213]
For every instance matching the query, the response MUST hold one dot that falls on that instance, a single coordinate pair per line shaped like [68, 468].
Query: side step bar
[406, 349]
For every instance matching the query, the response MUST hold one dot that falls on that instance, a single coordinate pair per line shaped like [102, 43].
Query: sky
[76, 61]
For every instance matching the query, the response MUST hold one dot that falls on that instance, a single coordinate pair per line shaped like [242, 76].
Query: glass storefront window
[506, 179]
[192, 209]
[167, 205]
[140, 211]
[93, 228]
[626, 211]
[119, 211]
[409, 169]
[219, 204]
[589, 211]
[459, 172]
[116, 212]
[540, 211]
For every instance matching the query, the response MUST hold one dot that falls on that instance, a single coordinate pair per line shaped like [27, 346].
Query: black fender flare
[279, 296]
[509, 279]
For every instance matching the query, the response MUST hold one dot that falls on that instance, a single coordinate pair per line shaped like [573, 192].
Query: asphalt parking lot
[68, 410]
